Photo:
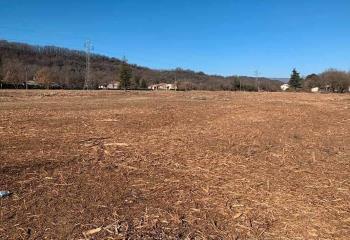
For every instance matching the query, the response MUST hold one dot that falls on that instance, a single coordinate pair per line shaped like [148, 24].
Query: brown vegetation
[331, 80]
[180, 165]
[45, 77]
[68, 66]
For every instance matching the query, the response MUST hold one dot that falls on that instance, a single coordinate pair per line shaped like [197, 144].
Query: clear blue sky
[217, 37]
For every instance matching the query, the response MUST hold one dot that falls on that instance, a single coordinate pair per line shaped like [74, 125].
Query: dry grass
[185, 165]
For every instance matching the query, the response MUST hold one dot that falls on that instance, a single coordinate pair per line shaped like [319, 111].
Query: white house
[315, 89]
[110, 86]
[285, 87]
[163, 86]
[113, 85]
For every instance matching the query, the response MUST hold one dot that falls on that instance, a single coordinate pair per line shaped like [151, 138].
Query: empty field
[174, 165]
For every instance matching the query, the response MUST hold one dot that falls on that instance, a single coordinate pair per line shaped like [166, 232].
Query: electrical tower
[88, 48]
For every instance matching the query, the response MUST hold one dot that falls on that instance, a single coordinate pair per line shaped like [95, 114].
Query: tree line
[331, 80]
[48, 65]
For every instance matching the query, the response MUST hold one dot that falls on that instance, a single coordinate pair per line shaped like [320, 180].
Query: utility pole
[175, 80]
[256, 73]
[240, 84]
[26, 70]
[88, 48]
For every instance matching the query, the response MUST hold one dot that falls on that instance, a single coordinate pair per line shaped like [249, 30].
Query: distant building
[285, 87]
[315, 89]
[113, 85]
[56, 86]
[163, 86]
[32, 84]
[110, 86]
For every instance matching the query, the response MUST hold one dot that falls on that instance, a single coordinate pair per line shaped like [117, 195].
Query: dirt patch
[174, 165]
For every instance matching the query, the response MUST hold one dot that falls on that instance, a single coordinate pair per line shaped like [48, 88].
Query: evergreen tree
[125, 75]
[295, 80]
[235, 84]
[137, 82]
[143, 84]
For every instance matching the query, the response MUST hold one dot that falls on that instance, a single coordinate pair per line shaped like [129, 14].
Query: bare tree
[13, 73]
[337, 81]
[44, 77]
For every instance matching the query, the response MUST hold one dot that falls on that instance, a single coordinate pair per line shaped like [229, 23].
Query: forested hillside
[22, 62]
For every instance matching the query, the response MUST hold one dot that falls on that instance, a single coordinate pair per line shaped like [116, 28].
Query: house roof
[159, 84]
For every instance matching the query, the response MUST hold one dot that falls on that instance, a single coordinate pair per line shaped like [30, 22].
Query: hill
[20, 62]
[285, 80]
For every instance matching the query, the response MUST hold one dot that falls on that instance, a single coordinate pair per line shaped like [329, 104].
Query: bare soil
[174, 165]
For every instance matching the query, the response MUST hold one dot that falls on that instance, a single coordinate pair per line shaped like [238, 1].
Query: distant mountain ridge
[67, 68]
[285, 80]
